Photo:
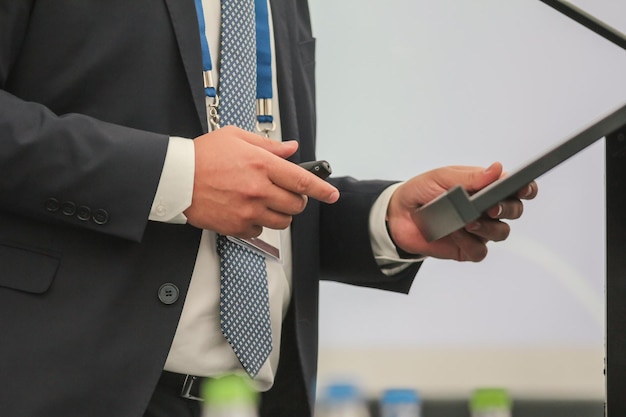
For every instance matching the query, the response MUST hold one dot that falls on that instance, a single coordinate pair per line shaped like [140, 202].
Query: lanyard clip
[207, 77]
[264, 116]
[213, 104]
[211, 95]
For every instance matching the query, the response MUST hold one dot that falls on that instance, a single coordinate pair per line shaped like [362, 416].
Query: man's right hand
[243, 182]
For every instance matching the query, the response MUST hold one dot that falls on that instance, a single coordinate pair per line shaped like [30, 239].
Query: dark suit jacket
[90, 92]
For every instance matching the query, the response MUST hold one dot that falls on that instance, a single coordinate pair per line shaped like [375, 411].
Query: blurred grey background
[411, 85]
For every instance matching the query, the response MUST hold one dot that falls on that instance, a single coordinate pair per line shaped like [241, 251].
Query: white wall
[409, 85]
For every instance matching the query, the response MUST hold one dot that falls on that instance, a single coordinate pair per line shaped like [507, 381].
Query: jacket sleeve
[70, 168]
[345, 247]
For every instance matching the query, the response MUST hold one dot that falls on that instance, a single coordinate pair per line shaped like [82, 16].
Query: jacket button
[83, 213]
[168, 293]
[100, 216]
[68, 208]
[52, 204]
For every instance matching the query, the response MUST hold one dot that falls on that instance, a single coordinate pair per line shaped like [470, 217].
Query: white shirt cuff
[173, 195]
[383, 247]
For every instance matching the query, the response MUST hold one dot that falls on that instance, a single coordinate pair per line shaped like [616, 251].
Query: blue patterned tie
[244, 299]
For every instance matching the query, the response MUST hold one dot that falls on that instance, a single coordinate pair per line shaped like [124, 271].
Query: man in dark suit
[91, 290]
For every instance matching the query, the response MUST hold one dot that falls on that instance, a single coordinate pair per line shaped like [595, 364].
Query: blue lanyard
[207, 63]
[263, 57]
[263, 63]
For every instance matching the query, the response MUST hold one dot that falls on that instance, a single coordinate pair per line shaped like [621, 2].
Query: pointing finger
[291, 177]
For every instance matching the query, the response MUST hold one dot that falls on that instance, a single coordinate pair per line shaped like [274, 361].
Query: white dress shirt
[199, 347]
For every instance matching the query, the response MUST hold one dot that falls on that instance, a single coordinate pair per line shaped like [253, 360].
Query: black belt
[187, 386]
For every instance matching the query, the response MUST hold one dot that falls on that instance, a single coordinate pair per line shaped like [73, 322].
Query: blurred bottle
[230, 396]
[342, 400]
[400, 403]
[490, 402]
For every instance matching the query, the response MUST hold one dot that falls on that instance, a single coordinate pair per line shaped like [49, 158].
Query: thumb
[480, 179]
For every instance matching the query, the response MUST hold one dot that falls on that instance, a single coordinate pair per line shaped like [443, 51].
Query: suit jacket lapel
[282, 13]
[184, 21]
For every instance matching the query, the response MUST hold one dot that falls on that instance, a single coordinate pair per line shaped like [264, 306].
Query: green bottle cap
[484, 399]
[230, 389]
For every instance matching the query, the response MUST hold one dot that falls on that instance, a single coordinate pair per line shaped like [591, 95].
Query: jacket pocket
[28, 270]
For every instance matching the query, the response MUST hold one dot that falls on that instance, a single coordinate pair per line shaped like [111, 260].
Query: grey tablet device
[456, 208]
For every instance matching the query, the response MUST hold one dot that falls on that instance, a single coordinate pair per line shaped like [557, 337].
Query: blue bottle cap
[341, 392]
[400, 396]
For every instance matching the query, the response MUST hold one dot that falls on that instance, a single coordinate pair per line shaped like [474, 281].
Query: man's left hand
[468, 243]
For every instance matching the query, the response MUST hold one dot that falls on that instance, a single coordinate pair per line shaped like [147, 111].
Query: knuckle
[268, 142]
[255, 190]
[248, 213]
[303, 183]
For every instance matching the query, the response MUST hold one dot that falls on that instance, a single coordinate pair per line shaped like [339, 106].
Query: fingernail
[333, 197]
[500, 210]
[529, 191]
